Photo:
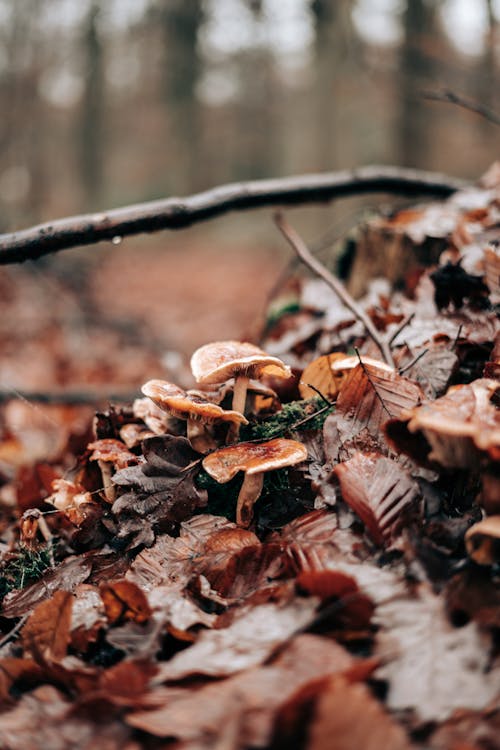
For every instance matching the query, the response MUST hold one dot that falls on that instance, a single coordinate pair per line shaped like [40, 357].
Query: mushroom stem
[239, 399]
[249, 494]
[109, 488]
[199, 437]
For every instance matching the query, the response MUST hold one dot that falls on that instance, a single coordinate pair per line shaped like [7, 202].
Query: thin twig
[401, 327]
[321, 395]
[413, 361]
[178, 213]
[15, 630]
[450, 97]
[311, 416]
[299, 246]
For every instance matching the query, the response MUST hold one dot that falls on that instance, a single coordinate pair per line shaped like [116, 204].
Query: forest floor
[357, 607]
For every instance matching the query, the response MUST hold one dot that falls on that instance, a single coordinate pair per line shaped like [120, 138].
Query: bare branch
[450, 97]
[177, 213]
[299, 246]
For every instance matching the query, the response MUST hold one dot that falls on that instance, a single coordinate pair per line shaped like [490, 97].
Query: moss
[289, 420]
[26, 566]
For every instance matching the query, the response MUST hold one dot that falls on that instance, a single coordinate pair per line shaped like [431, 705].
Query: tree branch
[450, 97]
[177, 213]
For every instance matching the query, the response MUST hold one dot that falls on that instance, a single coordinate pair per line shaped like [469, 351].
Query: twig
[299, 246]
[177, 213]
[321, 395]
[311, 416]
[401, 327]
[15, 630]
[451, 98]
[413, 361]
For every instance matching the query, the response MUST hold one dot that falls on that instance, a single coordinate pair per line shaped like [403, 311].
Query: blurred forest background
[109, 102]
[106, 102]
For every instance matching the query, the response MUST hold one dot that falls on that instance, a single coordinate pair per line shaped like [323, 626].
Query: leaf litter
[351, 613]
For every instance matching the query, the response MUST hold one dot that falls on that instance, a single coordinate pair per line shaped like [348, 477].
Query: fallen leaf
[124, 600]
[248, 641]
[431, 666]
[46, 634]
[379, 491]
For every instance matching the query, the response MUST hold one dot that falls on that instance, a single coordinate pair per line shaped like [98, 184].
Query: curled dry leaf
[379, 491]
[124, 600]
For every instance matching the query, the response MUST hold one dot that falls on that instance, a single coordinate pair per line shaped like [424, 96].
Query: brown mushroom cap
[253, 458]
[216, 362]
[109, 450]
[184, 405]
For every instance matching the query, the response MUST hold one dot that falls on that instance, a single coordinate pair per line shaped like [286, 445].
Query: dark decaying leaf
[434, 369]
[454, 285]
[158, 493]
[344, 604]
[368, 399]
[46, 634]
[379, 491]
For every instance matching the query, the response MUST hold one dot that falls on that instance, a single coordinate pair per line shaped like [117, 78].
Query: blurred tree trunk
[488, 88]
[416, 73]
[22, 121]
[92, 112]
[180, 22]
[335, 51]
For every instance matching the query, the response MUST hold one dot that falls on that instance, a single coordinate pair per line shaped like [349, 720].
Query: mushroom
[254, 459]
[194, 408]
[482, 541]
[110, 453]
[221, 360]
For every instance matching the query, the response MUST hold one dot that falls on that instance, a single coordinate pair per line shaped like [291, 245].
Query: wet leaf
[124, 600]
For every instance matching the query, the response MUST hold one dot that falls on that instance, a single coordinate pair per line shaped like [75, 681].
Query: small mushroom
[221, 360]
[482, 541]
[109, 454]
[254, 459]
[196, 410]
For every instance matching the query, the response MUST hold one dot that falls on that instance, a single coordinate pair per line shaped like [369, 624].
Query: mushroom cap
[111, 451]
[253, 458]
[178, 402]
[216, 362]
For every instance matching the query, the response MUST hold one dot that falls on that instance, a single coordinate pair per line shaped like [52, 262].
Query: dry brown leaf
[252, 696]
[379, 491]
[124, 600]
[369, 397]
[347, 717]
[46, 634]
[247, 642]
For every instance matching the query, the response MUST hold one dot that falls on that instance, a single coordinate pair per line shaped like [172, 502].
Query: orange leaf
[47, 632]
[124, 600]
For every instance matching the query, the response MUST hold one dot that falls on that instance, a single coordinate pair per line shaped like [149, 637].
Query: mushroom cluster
[223, 365]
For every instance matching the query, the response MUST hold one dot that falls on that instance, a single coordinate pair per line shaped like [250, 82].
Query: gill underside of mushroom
[249, 494]
[199, 436]
[239, 400]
